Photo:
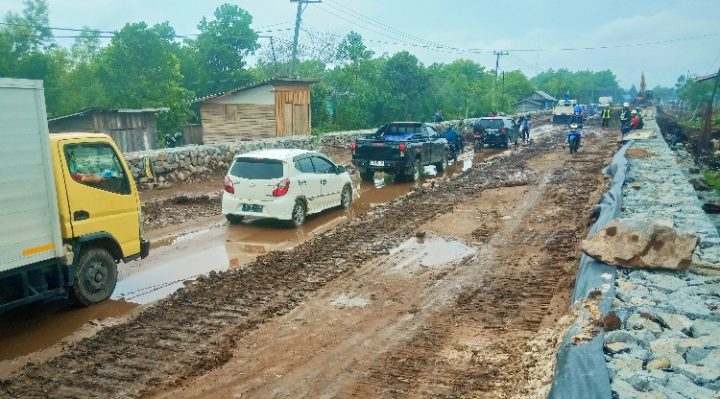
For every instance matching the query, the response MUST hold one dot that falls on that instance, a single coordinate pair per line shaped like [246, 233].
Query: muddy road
[190, 238]
[457, 289]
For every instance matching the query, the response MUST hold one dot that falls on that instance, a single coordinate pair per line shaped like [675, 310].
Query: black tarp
[581, 370]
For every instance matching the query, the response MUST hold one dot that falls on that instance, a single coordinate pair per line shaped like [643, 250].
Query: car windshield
[257, 169]
[491, 123]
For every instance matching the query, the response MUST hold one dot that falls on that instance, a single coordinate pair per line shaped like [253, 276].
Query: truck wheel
[346, 197]
[440, 166]
[298, 214]
[416, 172]
[95, 277]
[234, 219]
[368, 175]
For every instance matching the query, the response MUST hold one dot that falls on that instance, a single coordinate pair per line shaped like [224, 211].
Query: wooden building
[537, 101]
[272, 108]
[132, 129]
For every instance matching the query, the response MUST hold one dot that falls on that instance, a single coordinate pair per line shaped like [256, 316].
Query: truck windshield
[257, 169]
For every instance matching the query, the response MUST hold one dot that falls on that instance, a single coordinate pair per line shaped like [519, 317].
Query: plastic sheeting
[581, 370]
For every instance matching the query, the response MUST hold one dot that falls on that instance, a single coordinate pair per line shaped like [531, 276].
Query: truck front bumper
[144, 249]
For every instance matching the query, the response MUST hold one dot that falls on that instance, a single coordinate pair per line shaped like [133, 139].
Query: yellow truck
[69, 207]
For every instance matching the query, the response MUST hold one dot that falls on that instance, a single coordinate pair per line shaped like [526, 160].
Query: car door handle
[81, 215]
[301, 182]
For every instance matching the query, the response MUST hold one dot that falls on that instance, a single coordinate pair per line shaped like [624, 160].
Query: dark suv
[498, 131]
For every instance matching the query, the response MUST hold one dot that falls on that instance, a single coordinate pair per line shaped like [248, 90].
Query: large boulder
[641, 244]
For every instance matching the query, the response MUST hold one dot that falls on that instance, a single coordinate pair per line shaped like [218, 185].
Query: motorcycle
[478, 140]
[573, 141]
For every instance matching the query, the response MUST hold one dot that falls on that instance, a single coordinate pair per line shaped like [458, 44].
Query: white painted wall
[263, 95]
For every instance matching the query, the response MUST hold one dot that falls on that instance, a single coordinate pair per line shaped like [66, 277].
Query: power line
[340, 7]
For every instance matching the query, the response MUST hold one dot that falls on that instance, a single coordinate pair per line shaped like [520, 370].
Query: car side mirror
[340, 170]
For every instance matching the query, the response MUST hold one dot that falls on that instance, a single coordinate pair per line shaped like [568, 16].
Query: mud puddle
[49, 323]
[422, 252]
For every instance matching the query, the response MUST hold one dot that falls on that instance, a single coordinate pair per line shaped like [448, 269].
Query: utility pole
[497, 55]
[707, 119]
[298, 20]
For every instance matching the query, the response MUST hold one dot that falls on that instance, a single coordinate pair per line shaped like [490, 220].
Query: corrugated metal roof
[259, 83]
[119, 110]
[545, 95]
[706, 77]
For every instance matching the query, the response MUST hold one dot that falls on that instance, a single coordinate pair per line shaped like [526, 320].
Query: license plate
[252, 208]
[377, 163]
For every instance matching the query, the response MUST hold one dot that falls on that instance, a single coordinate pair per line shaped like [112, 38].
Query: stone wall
[668, 344]
[190, 162]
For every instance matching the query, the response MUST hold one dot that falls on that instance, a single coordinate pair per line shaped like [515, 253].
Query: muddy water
[215, 247]
[39, 326]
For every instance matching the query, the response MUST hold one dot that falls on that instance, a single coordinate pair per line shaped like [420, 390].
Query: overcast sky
[688, 28]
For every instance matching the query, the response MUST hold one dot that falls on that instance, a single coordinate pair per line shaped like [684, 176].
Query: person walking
[606, 115]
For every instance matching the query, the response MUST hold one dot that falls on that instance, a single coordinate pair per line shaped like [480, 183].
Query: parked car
[284, 184]
[498, 131]
[400, 148]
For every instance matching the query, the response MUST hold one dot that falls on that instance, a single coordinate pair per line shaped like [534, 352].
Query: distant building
[131, 129]
[275, 107]
[537, 101]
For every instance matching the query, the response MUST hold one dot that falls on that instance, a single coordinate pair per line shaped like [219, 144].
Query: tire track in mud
[195, 330]
[478, 348]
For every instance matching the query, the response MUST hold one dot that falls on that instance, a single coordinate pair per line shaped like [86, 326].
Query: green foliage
[713, 179]
[216, 60]
[585, 86]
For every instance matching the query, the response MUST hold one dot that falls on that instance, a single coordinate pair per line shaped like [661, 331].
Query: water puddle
[49, 323]
[419, 253]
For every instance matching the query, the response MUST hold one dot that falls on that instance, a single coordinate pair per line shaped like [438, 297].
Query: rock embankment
[185, 164]
[668, 345]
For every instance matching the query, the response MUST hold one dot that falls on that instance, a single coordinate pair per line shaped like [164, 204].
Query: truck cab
[69, 207]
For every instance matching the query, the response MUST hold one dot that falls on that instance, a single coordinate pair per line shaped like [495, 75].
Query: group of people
[630, 119]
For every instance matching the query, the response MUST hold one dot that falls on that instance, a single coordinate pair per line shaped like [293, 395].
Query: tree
[140, 69]
[352, 49]
[406, 79]
[219, 53]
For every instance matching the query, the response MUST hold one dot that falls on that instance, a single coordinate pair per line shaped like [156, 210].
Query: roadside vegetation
[151, 66]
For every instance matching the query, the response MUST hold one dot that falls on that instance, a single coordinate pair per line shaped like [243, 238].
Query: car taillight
[403, 148]
[229, 187]
[281, 188]
[353, 146]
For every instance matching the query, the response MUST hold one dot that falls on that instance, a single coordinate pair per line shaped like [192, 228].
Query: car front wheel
[95, 277]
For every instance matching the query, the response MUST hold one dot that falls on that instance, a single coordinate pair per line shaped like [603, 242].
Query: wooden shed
[276, 107]
[132, 129]
[537, 101]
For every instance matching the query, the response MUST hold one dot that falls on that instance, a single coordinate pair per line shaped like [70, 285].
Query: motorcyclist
[625, 118]
[454, 138]
[478, 135]
[574, 131]
[606, 115]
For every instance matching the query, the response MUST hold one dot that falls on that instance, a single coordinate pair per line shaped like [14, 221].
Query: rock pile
[668, 345]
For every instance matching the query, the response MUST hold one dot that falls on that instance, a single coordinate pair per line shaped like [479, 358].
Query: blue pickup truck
[401, 149]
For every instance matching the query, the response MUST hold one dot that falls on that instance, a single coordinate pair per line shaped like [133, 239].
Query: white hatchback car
[285, 185]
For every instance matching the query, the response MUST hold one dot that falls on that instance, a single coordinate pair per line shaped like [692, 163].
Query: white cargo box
[29, 220]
